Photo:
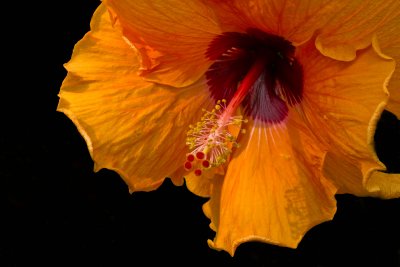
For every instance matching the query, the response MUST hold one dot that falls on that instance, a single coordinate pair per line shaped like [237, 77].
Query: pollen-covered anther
[211, 139]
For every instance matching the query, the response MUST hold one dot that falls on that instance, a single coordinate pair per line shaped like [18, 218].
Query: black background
[55, 211]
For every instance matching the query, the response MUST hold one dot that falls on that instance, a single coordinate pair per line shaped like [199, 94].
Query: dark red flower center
[279, 80]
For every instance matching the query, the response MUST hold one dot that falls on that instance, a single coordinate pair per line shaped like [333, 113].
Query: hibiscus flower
[267, 108]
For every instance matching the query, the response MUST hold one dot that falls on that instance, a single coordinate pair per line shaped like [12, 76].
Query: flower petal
[346, 175]
[384, 185]
[394, 100]
[294, 20]
[349, 177]
[200, 185]
[131, 126]
[343, 101]
[171, 35]
[273, 190]
[212, 208]
[343, 26]
[353, 26]
[389, 41]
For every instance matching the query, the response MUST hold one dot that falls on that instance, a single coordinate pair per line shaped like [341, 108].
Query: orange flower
[266, 107]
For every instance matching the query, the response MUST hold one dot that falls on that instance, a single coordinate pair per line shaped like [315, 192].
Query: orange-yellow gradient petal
[273, 190]
[171, 35]
[388, 39]
[353, 27]
[212, 207]
[384, 185]
[387, 185]
[349, 176]
[343, 102]
[394, 101]
[200, 185]
[131, 126]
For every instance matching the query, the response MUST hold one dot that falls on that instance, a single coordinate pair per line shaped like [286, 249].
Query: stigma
[212, 138]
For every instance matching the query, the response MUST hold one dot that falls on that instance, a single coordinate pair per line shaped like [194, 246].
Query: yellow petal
[342, 102]
[384, 185]
[273, 190]
[171, 35]
[349, 178]
[353, 26]
[134, 127]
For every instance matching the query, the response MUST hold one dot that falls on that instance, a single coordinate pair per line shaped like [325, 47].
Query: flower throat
[254, 70]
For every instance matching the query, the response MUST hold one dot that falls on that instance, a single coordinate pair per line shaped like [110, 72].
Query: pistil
[211, 140]
[244, 87]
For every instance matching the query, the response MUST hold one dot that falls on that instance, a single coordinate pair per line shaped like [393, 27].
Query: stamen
[209, 140]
